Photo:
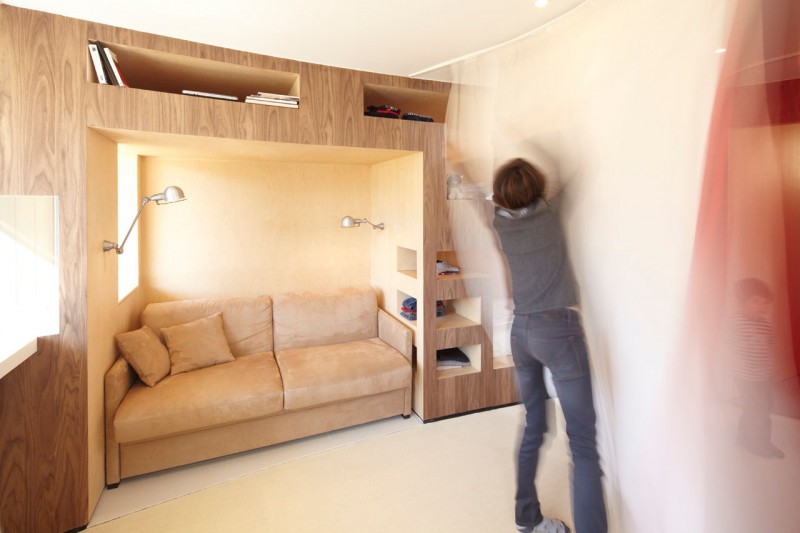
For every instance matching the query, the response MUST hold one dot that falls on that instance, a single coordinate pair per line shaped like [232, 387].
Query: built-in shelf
[454, 372]
[454, 320]
[154, 70]
[429, 103]
[407, 261]
[473, 353]
[401, 297]
[461, 285]
[461, 323]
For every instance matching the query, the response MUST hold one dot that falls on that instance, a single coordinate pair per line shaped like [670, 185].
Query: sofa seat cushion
[248, 387]
[324, 374]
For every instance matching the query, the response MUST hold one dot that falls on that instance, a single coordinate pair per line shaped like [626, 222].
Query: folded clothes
[410, 303]
[451, 357]
[385, 111]
[417, 116]
[408, 316]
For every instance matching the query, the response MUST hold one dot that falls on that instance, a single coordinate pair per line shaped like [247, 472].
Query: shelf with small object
[406, 104]
[165, 72]
[458, 361]
[407, 308]
[458, 322]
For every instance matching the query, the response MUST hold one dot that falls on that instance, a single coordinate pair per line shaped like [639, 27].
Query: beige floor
[392, 476]
[455, 475]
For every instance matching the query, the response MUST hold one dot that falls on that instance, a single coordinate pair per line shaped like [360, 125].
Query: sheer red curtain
[749, 217]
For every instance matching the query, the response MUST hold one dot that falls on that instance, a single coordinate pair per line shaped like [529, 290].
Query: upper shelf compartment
[429, 103]
[173, 73]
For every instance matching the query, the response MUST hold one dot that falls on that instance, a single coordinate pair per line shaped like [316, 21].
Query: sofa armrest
[395, 334]
[119, 379]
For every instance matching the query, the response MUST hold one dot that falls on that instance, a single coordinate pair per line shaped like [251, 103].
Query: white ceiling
[401, 37]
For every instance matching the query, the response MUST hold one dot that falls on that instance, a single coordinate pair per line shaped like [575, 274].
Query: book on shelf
[101, 50]
[210, 95]
[113, 63]
[275, 96]
[99, 67]
[253, 99]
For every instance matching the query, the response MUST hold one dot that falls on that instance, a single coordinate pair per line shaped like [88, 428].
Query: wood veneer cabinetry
[51, 405]
[57, 128]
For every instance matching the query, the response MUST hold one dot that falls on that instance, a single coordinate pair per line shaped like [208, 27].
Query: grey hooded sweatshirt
[534, 246]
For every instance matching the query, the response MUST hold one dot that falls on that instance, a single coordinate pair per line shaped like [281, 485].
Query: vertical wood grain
[43, 441]
[46, 103]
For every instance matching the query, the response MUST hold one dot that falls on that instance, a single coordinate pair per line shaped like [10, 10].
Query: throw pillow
[144, 352]
[198, 344]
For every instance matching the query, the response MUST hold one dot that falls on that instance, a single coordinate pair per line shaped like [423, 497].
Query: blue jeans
[555, 339]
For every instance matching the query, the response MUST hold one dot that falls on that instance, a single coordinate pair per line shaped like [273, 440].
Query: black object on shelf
[451, 358]
[417, 117]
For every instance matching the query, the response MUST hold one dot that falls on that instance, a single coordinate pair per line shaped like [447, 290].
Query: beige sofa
[302, 364]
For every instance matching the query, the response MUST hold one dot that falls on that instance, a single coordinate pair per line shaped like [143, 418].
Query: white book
[211, 95]
[278, 96]
[276, 103]
[98, 65]
[112, 60]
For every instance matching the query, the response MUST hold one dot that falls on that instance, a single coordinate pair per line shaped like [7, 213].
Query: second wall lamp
[171, 194]
[350, 222]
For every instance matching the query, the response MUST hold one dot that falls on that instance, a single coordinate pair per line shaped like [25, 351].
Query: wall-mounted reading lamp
[350, 222]
[171, 194]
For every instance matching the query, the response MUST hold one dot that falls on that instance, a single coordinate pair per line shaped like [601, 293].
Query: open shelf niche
[402, 297]
[165, 72]
[473, 353]
[429, 103]
[407, 262]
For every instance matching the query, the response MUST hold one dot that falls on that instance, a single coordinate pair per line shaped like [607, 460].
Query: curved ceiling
[401, 37]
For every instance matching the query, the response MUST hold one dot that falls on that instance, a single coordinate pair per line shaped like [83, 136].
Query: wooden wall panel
[334, 119]
[43, 435]
[47, 101]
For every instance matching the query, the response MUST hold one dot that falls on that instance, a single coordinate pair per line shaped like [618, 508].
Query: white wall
[615, 99]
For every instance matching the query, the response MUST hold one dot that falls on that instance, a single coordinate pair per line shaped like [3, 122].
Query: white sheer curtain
[614, 101]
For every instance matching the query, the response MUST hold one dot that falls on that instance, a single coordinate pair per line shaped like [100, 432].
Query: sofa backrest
[247, 320]
[316, 319]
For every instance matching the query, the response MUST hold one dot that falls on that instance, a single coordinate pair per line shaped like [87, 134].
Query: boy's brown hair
[517, 183]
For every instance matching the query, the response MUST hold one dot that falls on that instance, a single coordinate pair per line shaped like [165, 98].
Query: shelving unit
[409, 196]
[164, 72]
[473, 352]
[429, 103]
[407, 262]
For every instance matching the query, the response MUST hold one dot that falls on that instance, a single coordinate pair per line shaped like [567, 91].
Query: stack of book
[280, 100]
[105, 65]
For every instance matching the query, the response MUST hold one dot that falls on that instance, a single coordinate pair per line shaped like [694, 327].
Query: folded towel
[408, 316]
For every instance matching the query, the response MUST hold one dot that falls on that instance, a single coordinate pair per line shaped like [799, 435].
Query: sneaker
[548, 525]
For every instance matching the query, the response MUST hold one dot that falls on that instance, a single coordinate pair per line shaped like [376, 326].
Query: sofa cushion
[198, 344]
[247, 320]
[143, 350]
[323, 374]
[315, 319]
[246, 388]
